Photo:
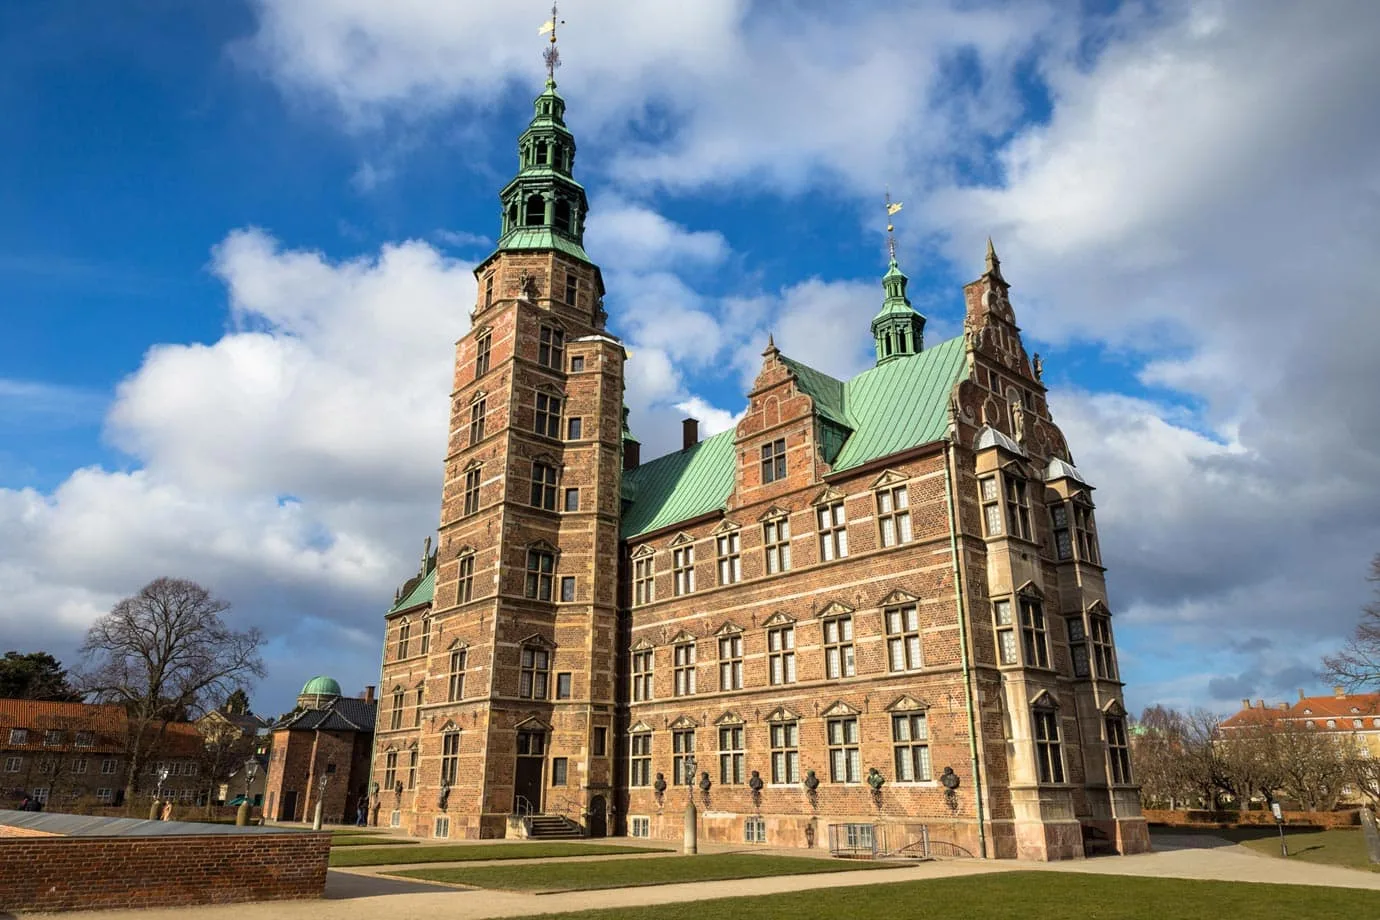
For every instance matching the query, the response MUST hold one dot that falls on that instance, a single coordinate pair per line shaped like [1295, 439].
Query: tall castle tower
[511, 665]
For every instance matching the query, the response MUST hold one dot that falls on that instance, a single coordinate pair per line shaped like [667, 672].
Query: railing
[522, 806]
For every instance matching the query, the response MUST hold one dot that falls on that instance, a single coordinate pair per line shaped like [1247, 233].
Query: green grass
[631, 873]
[1338, 846]
[369, 842]
[367, 856]
[1025, 896]
[353, 832]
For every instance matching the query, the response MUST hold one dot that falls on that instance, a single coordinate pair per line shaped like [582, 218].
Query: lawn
[369, 841]
[368, 856]
[1326, 846]
[353, 832]
[1026, 896]
[631, 873]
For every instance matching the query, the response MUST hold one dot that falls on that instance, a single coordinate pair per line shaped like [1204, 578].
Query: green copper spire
[897, 328]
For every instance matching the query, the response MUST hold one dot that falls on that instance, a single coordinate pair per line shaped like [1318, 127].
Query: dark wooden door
[527, 783]
[597, 825]
[288, 812]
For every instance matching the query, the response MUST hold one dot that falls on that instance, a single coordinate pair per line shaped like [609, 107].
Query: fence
[873, 841]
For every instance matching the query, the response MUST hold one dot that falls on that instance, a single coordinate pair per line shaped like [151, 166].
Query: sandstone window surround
[1034, 636]
[731, 764]
[731, 661]
[473, 475]
[640, 825]
[845, 765]
[412, 766]
[1078, 647]
[640, 756]
[1059, 526]
[1017, 506]
[785, 752]
[990, 495]
[455, 687]
[599, 746]
[838, 646]
[682, 752]
[893, 515]
[572, 499]
[1007, 647]
[683, 569]
[1104, 654]
[395, 720]
[390, 770]
[464, 589]
[548, 407]
[754, 829]
[572, 288]
[567, 589]
[426, 635]
[404, 635]
[551, 347]
[781, 654]
[488, 290]
[478, 410]
[483, 346]
[904, 651]
[541, 568]
[560, 767]
[642, 674]
[450, 756]
[774, 461]
[644, 577]
[417, 710]
[544, 477]
[534, 672]
[910, 738]
[1049, 754]
[577, 364]
[1118, 750]
[563, 685]
[776, 540]
[683, 658]
[1085, 533]
[574, 428]
[727, 548]
[832, 523]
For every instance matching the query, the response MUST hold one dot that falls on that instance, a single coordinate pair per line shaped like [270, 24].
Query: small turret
[898, 329]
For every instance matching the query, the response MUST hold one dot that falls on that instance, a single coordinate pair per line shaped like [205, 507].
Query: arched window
[563, 215]
[536, 211]
[541, 154]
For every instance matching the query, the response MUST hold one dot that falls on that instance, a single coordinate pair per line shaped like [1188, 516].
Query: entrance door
[527, 783]
[597, 825]
[289, 809]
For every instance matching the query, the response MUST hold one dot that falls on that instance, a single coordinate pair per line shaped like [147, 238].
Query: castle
[875, 606]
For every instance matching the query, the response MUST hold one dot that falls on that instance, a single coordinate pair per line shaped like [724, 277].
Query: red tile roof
[106, 723]
[1344, 708]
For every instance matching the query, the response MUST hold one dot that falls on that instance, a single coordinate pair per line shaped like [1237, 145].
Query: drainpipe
[949, 476]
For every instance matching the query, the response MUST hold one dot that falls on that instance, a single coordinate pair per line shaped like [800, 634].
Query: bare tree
[1166, 766]
[1357, 665]
[164, 654]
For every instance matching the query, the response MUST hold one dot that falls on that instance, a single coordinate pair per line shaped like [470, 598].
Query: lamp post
[158, 793]
[321, 796]
[251, 767]
[691, 846]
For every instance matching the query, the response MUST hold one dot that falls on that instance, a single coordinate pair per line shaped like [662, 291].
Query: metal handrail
[522, 806]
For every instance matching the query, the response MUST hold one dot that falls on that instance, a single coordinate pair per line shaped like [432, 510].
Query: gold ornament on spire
[551, 55]
[892, 207]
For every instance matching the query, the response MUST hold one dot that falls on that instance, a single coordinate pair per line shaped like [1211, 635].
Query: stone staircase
[553, 827]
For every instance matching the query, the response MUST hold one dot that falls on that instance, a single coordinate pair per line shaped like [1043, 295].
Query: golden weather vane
[891, 208]
[551, 55]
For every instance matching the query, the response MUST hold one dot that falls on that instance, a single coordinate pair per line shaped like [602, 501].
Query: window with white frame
[477, 413]
[776, 540]
[893, 515]
[731, 771]
[903, 638]
[390, 770]
[838, 647]
[990, 493]
[442, 826]
[729, 558]
[781, 655]
[41, 794]
[642, 675]
[1049, 756]
[19, 736]
[108, 766]
[640, 759]
[682, 752]
[14, 764]
[464, 591]
[910, 739]
[79, 765]
[534, 673]
[1035, 639]
[471, 491]
[755, 829]
[455, 686]
[395, 720]
[105, 795]
[785, 752]
[1118, 750]
[644, 583]
[85, 739]
[1007, 652]
[683, 569]
[483, 346]
[833, 531]
[683, 657]
[731, 662]
[640, 826]
[844, 762]
[450, 757]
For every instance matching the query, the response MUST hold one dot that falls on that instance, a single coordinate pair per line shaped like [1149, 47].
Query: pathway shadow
[1164, 838]
[344, 886]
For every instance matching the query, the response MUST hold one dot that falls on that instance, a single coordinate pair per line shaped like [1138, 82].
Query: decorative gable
[642, 645]
[890, 478]
[724, 526]
[1044, 700]
[644, 550]
[839, 708]
[681, 539]
[907, 703]
[457, 645]
[1098, 607]
[828, 496]
[682, 637]
[772, 513]
[533, 723]
[538, 640]
[450, 726]
[1114, 708]
[835, 608]
[778, 619]
[783, 714]
[683, 723]
[897, 598]
[1030, 589]
[639, 726]
[728, 629]
[729, 718]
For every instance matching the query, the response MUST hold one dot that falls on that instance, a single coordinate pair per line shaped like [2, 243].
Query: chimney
[1284, 707]
[1339, 692]
[1302, 697]
[689, 433]
[1245, 704]
[368, 695]
[1262, 703]
[632, 454]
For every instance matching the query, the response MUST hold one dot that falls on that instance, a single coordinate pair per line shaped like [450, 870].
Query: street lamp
[158, 793]
[691, 845]
[321, 796]
[251, 767]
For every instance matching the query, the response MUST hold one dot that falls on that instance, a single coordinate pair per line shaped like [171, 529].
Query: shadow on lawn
[345, 886]
[1166, 837]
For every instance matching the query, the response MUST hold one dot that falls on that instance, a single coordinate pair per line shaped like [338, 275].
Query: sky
[237, 241]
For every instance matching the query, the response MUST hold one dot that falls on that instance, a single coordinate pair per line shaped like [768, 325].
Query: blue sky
[235, 243]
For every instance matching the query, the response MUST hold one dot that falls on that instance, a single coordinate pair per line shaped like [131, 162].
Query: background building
[875, 602]
[328, 736]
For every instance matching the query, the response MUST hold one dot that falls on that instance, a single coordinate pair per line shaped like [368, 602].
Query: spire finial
[771, 346]
[891, 208]
[993, 263]
[552, 54]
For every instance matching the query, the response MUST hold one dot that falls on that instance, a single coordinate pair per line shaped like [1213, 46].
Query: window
[105, 795]
[683, 656]
[548, 420]
[833, 532]
[464, 589]
[52, 737]
[489, 290]
[893, 515]
[1103, 654]
[644, 586]
[1017, 508]
[450, 757]
[563, 685]
[785, 752]
[682, 753]
[903, 638]
[641, 827]
[774, 461]
[108, 766]
[572, 287]
[417, 712]
[1059, 520]
[540, 565]
[395, 721]
[543, 485]
[1087, 536]
[844, 764]
[534, 674]
[441, 827]
[46, 765]
[41, 793]
[390, 769]
[394, 817]
[910, 738]
[601, 741]
[1049, 760]
[79, 767]
[483, 346]
[1036, 642]
[1006, 635]
[425, 636]
[1118, 750]
[683, 569]
[559, 768]
[85, 739]
[574, 428]
[776, 536]
[404, 634]
[477, 412]
[1078, 647]
[755, 829]
[640, 759]
[551, 348]
[731, 662]
[14, 764]
[642, 675]
[572, 499]
[19, 736]
[577, 363]
[781, 655]
[455, 688]
[991, 505]
[838, 647]
[412, 768]
[471, 491]
[731, 755]
[567, 589]
[730, 561]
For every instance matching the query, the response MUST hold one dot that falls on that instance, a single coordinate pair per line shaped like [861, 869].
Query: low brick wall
[1201, 818]
[83, 873]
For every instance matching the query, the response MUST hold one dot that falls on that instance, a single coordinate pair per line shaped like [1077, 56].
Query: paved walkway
[362, 894]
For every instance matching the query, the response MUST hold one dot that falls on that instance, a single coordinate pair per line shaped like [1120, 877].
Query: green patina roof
[421, 594]
[890, 408]
[542, 238]
[321, 686]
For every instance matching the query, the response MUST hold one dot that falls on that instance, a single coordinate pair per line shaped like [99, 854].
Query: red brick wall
[81, 873]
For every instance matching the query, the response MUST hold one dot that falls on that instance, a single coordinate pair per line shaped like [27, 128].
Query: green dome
[321, 686]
